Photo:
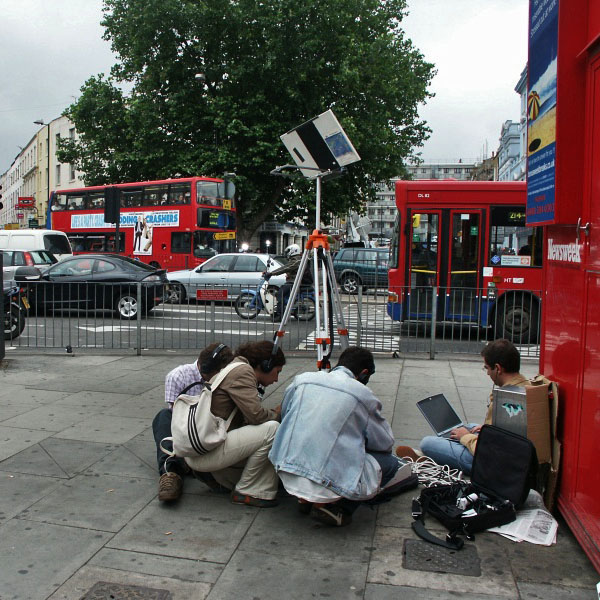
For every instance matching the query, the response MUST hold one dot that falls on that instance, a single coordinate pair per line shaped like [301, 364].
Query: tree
[214, 83]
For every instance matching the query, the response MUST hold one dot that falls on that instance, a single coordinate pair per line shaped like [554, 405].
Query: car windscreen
[131, 263]
[58, 244]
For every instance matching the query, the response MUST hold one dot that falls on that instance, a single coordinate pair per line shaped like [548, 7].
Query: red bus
[169, 224]
[467, 241]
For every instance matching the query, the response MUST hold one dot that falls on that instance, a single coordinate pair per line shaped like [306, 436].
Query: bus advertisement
[467, 241]
[169, 224]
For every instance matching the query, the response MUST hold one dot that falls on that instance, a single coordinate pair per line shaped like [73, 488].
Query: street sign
[20, 215]
[25, 202]
[211, 294]
[34, 223]
[225, 235]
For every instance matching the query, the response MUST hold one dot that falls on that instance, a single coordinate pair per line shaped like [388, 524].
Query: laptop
[440, 415]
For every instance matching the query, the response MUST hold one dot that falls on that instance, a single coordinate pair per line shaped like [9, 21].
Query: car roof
[25, 250]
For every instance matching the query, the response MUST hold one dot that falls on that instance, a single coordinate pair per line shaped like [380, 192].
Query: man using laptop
[502, 362]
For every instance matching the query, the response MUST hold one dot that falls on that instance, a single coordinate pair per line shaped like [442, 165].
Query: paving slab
[86, 577]
[535, 591]
[394, 592]
[13, 440]
[50, 417]
[122, 462]
[151, 564]
[206, 527]
[274, 577]
[104, 429]
[38, 558]
[19, 491]
[93, 400]
[29, 396]
[386, 567]
[283, 531]
[105, 503]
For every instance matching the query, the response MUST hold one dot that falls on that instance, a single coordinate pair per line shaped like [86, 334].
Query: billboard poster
[541, 111]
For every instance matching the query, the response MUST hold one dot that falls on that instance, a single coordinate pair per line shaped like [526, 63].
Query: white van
[56, 242]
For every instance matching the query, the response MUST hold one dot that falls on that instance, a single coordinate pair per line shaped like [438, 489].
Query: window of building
[72, 133]
[57, 174]
[446, 170]
[71, 173]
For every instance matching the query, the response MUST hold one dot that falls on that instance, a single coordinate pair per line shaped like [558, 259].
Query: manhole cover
[423, 556]
[117, 591]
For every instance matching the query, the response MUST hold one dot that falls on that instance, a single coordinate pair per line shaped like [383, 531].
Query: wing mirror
[24, 274]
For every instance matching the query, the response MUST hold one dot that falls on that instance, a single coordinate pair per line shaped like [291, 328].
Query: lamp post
[268, 245]
[41, 122]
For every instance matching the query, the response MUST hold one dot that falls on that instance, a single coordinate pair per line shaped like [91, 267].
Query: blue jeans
[448, 452]
[161, 428]
[389, 465]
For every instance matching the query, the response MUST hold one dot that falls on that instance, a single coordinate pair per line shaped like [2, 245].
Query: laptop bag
[504, 470]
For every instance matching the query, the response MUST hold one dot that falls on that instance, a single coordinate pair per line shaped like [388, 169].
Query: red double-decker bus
[169, 224]
[466, 242]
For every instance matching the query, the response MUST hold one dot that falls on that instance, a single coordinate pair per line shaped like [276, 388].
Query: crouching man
[333, 448]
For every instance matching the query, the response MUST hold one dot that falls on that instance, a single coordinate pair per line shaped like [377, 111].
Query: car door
[246, 273]
[68, 284]
[213, 274]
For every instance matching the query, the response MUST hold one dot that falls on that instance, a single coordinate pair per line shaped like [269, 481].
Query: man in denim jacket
[333, 448]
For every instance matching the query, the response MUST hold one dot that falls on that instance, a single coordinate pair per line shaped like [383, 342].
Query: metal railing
[129, 317]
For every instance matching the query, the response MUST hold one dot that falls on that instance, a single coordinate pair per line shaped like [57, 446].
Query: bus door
[423, 266]
[464, 266]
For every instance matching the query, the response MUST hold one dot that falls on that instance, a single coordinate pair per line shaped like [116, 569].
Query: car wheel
[245, 306]
[126, 306]
[14, 323]
[350, 283]
[175, 294]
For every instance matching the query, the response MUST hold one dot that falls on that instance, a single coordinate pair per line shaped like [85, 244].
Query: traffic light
[1, 205]
[112, 205]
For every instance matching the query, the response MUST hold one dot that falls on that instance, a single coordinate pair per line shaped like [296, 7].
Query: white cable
[429, 472]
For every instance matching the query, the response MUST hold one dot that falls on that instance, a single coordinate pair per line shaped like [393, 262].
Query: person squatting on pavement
[294, 256]
[172, 469]
[241, 462]
[501, 362]
[333, 448]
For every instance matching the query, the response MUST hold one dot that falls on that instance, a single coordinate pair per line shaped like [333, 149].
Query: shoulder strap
[189, 387]
[222, 374]
[418, 512]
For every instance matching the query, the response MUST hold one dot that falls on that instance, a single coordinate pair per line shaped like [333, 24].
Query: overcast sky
[49, 48]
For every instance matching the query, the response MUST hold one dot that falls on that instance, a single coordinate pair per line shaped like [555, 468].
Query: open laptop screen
[439, 413]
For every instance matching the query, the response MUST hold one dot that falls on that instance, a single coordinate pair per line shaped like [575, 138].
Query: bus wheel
[518, 320]
[126, 306]
[175, 294]
[350, 283]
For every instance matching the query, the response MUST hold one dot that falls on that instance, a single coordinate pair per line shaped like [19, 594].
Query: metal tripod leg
[336, 302]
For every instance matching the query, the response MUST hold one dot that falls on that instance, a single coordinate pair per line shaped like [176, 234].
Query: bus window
[206, 246]
[59, 202]
[215, 194]
[512, 244]
[75, 201]
[96, 200]
[424, 249]
[181, 241]
[156, 194]
[179, 193]
[131, 197]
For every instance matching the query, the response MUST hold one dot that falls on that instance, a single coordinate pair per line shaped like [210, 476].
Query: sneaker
[408, 452]
[330, 514]
[237, 498]
[170, 487]
[208, 480]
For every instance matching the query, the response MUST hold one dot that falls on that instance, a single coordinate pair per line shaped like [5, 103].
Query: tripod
[325, 304]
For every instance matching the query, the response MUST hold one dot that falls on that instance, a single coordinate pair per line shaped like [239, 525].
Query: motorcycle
[264, 298]
[16, 306]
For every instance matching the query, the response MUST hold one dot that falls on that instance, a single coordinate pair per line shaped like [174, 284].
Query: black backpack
[504, 470]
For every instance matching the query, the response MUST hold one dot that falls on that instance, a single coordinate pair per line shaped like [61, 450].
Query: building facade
[509, 151]
[35, 172]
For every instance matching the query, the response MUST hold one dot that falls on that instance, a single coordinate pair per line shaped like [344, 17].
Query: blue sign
[541, 111]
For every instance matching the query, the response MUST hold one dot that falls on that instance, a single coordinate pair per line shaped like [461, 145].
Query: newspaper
[533, 524]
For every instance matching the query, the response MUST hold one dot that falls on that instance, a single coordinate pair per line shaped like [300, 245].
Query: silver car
[222, 277]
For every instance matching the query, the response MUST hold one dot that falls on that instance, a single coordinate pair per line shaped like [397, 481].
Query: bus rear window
[512, 243]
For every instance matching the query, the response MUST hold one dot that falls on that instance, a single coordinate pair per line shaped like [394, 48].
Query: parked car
[366, 267]
[99, 282]
[13, 259]
[230, 272]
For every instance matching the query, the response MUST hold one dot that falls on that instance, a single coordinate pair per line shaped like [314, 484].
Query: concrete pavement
[79, 515]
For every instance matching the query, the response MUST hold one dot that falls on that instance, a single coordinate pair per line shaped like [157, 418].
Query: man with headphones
[501, 362]
[333, 449]
[211, 360]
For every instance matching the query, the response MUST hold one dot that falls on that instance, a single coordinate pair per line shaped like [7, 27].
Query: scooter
[16, 306]
[264, 298]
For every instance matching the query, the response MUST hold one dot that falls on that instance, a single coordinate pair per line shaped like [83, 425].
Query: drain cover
[117, 591]
[423, 556]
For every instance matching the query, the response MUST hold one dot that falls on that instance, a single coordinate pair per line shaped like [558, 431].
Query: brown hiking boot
[408, 452]
[170, 487]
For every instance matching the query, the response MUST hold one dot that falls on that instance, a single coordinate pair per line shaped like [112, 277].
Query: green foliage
[267, 67]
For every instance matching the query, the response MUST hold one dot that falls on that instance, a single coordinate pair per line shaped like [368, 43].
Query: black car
[99, 282]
